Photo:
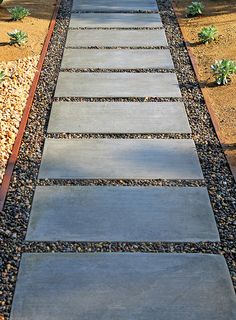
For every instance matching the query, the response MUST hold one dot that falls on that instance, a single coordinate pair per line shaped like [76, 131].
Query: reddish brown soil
[222, 99]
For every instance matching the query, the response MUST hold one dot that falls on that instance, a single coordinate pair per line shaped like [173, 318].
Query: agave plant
[223, 69]
[207, 34]
[194, 9]
[18, 13]
[18, 37]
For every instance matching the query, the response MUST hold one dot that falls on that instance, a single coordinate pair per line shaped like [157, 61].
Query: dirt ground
[221, 14]
[35, 25]
[19, 65]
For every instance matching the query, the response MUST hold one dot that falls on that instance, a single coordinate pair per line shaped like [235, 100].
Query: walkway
[114, 61]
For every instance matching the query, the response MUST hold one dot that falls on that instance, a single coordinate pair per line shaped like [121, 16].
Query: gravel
[14, 93]
[116, 28]
[123, 47]
[218, 178]
[122, 182]
[141, 70]
[125, 99]
[120, 135]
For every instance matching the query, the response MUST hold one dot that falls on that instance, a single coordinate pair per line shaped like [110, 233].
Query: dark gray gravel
[124, 99]
[218, 178]
[122, 182]
[136, 11]
[120, 70]
[123, 48]
[115, 28]
[120, 135]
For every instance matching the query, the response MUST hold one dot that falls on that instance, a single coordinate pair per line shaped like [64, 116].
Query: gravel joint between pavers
[115, 28]
[123, 47]
[141, 70]
[116, 99]
[121, 11]
[119, 136]
[122, 182]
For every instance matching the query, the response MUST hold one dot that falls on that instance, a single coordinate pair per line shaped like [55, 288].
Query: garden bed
[19, 64]
[221, 100]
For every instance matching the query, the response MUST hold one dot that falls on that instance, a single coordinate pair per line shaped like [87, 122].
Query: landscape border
[208, 103]
[16, 147]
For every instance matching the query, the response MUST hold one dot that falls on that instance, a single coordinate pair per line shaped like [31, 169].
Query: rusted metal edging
[16, 147]
[208, 102]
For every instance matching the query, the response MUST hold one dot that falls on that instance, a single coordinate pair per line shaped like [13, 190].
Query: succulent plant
[2, 76]
[18, 13]
[18, 37]
[223, 70]
[194, 9]
[207, 34]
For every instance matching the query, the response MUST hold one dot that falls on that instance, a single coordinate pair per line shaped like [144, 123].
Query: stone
[118, 117]
[116, 38]
[121, 214]
[117, 59]
[120, 159]
[115, 84]
[114, 6]
[123, 286]
[115, 20]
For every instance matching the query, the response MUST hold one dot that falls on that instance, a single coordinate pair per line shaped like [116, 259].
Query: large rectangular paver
[90, 213]
[120, 158]
[123, 286]
[116, 84]
[117, 59]
[115, 20]
[118, 117]
[114, 6]
[116, 38]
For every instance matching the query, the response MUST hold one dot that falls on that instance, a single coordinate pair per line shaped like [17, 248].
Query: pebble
[13, 96]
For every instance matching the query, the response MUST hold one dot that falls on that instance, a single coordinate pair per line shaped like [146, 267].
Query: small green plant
[195, 9]
[18, 13]
[18, 37]
[223, 69]
[2, 76]
[208, 34]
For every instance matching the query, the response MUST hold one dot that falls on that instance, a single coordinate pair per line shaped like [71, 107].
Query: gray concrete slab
[116, 38]
[120, 158]
[114, 6]
[90, 213]
[118, 117]
[115, 20]
[117, 59]
[123, 286]
[116, 84]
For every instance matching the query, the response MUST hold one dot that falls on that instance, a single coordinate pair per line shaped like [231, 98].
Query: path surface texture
[118, 95]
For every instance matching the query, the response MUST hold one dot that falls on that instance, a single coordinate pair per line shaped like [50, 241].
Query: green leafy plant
[195, 9]
[18, 13]
[18, 37]
[2, 76]
[1, 1]
[223, 69]
[208, 34]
